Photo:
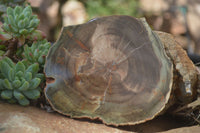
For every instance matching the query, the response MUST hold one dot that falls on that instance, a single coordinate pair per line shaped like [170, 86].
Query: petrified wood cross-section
[112, 68]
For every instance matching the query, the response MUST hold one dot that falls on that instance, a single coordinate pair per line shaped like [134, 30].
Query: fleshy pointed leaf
[32, 94]
[21, 16]
[5, 19]
[28, 76]
[9, 61]
[11, 74]
[20, 67]
[6, 27]
[19, 74]
[15, 30]
[41, 59]
[34, 23]
[27, 9]
[10, 11]
[18, 95]
[6, 94]
[41, 76]
[26, 22]
[4, 68]
[35, 83]
[17, 10]
[16, 83]
[21, 24]
[7, 84]
[24, 102]
[34, 68]
[11, 20]
[23, 31]
[24, 86]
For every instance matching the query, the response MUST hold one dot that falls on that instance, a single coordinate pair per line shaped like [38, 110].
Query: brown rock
[17, 119]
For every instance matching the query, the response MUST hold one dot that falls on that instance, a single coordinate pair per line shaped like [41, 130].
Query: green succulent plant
[20, 22]
[19, 82]
[11, 3]
[36, 53]
[2, 50]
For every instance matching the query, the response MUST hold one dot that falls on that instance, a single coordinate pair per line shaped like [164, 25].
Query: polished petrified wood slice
[112, 68]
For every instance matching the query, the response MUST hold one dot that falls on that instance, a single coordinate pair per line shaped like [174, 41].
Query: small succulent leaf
[41, 76]
[34, 23]
[22, 80]
[19, 74]
[18, 95]
[26, 50]
[21, 24]
[11, 20]
[11, 74]
[21, 16]
[26, 22]
[25, 62]
[29, 58]
[34, 68]
[16, 19]
[41, 59]
[4, 68]
[34, 46]
[34, 17]
[7, 84]
[23, 31]
[35, 53]
[27, 14]
[17, 10]
[27, 9]
[6, 27]
[5, 18]
[10, 11]
[24, 102]
[31, 30]
[20, 67]
[15, 30]
[16, 83]
[28, 76]
[32, 94]
[34, 83]
[6, 94]
[42, 47]
[9, 61]
[24, 86]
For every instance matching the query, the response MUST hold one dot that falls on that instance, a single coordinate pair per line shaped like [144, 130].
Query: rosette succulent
[20, 22]
[19, 82]
[9, 3]
[37, 52]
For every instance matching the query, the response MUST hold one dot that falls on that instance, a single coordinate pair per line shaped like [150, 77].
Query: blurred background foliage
[9, 3]
[96, 8]
[178, 17]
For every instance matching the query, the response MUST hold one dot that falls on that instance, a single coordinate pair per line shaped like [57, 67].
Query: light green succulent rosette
[19, 82]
